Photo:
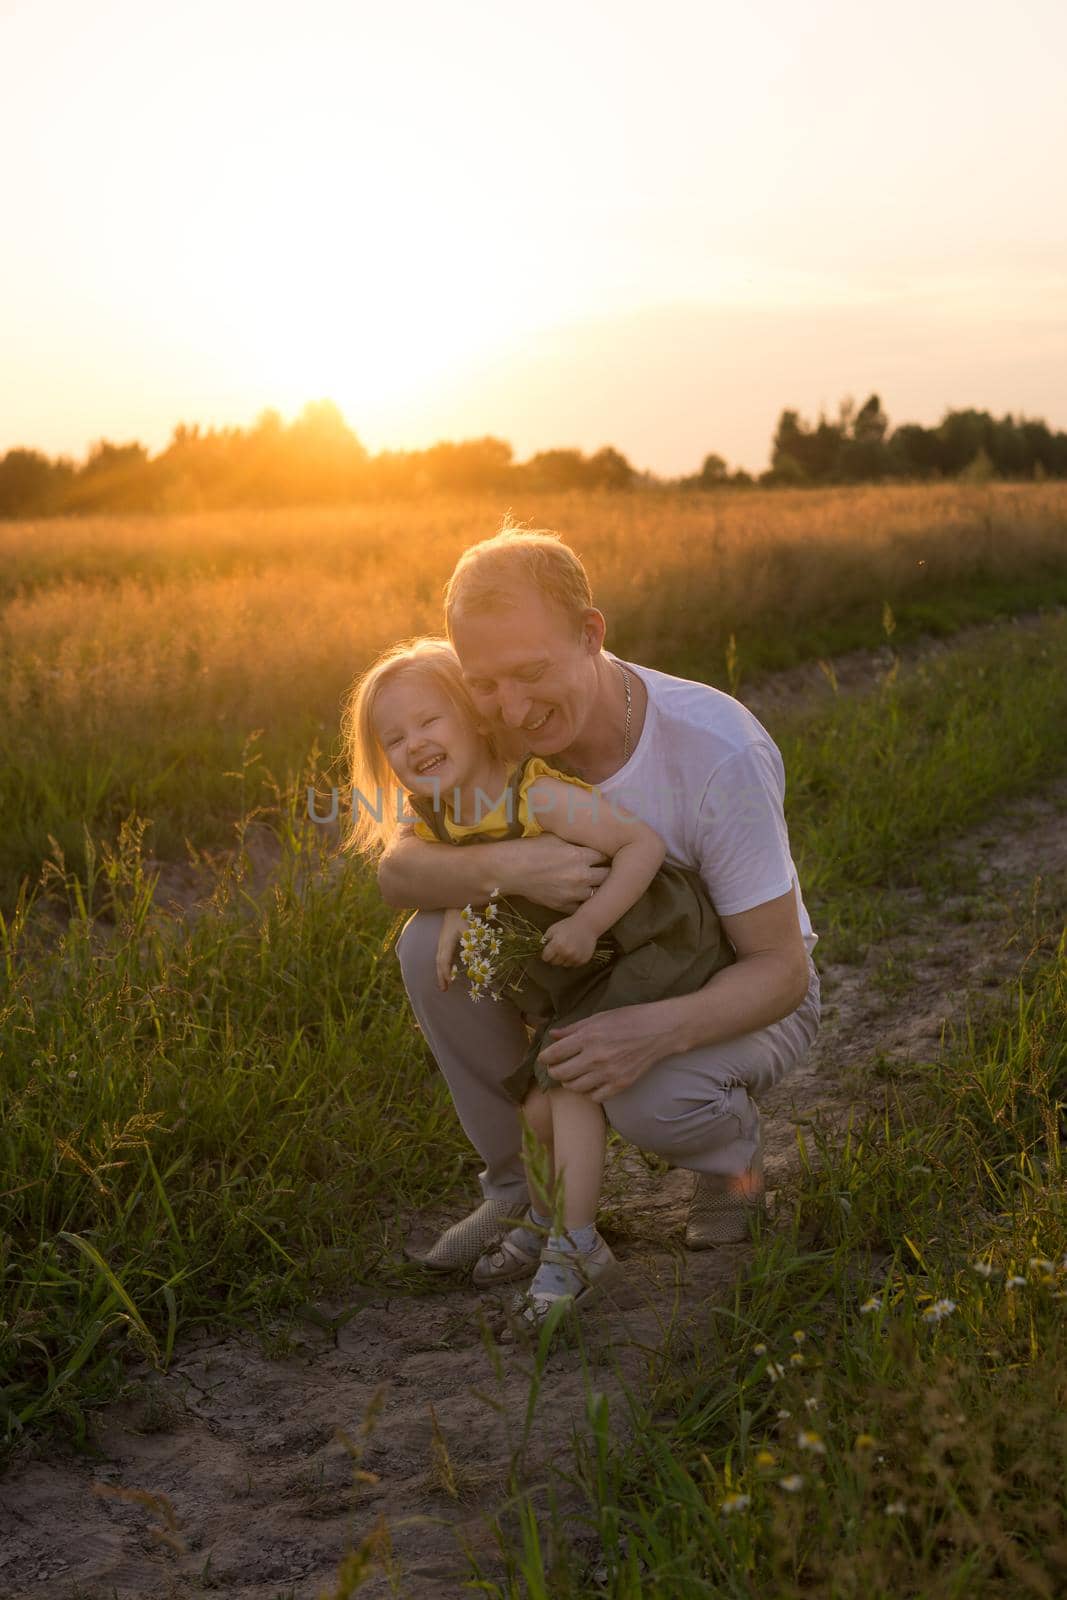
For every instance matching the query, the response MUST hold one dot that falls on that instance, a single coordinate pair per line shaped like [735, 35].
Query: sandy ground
[251, 1475]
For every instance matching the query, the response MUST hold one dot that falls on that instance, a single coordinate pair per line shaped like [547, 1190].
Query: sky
[579, 223]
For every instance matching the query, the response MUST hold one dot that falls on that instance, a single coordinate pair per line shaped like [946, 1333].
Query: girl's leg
[517, 1253]
[579, 1137]
[576, 1258]
[537, 1110]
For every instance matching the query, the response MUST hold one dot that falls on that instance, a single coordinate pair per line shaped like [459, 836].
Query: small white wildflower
[812, 1403]
[735, 1502]
[784, 1416]
[939, 1310]
[984, 1269]
[467, 912]
[494, 894]
[796, 1359]
[759, 1349]
[896, 1508]
[1014, 1282]
[1039, 1264]
[455, 971]
[799, 1336]
[491, 913]
[792, 1484]
[873, 1304]
[812, 1442]
[775, 1370]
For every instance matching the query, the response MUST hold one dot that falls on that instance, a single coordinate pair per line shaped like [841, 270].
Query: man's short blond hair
[489, 576]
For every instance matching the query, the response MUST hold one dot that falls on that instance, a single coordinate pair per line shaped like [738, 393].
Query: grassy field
[195, 1127]
[139, 657]
[194, 1117]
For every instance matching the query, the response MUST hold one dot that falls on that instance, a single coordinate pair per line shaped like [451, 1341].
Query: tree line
[318, 458]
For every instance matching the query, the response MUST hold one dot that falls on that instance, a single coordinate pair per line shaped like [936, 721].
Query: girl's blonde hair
[372, 821]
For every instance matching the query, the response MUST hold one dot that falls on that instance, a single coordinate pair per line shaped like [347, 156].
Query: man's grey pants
[696, 1110]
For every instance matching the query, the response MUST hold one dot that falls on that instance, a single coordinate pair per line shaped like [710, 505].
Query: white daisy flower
[735, 1502]
[939, 1310]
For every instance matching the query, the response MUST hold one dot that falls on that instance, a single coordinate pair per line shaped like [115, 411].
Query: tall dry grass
[137, 654]
[253, 613]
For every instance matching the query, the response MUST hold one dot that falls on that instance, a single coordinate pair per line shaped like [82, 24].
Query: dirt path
[245, 1452]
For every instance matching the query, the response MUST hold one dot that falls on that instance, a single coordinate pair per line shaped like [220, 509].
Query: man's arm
[606, 1053]
[768, 980]
[419, 875]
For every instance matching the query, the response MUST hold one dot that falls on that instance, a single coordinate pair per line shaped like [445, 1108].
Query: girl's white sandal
[596, 1267]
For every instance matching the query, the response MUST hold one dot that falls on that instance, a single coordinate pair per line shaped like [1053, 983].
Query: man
[674, 1076]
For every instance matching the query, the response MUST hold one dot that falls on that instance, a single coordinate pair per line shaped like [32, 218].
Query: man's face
[531, 670]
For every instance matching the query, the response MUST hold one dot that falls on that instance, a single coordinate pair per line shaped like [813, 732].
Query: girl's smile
[432, 748]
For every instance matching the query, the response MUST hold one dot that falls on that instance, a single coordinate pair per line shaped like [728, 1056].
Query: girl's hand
[452, 926]
[568, 944]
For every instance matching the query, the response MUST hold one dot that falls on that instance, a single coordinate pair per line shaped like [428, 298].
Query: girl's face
[428, 743]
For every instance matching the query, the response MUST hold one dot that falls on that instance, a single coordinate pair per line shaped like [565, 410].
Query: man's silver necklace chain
[629, 713]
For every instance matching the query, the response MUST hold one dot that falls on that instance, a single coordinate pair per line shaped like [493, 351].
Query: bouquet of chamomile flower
[496, 944]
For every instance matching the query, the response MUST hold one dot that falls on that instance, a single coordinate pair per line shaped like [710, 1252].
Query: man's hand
[602, 1055]
[447, 945]
[554, 873]
[423, 876]
[568, 944]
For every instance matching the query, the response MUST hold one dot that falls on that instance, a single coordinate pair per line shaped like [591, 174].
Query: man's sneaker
[461, 1245]
[723, 1210]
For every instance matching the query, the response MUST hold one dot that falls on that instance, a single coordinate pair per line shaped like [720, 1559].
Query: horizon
[374, 209]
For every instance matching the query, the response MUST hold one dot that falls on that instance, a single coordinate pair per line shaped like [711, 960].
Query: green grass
[198, 1122]
[212, 1120]
[924, 610]
[936, 1456]
[876, 782]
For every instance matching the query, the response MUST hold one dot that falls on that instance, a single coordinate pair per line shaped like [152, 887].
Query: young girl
[409, 718]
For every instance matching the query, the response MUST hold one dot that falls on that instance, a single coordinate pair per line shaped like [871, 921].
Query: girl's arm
[636, 853]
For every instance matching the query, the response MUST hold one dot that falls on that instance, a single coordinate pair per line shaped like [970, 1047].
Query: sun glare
[353, 279]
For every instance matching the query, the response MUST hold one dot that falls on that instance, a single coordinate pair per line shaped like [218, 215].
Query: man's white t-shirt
[708, 777]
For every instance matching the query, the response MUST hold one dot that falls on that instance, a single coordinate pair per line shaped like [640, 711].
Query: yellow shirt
[494, 824]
